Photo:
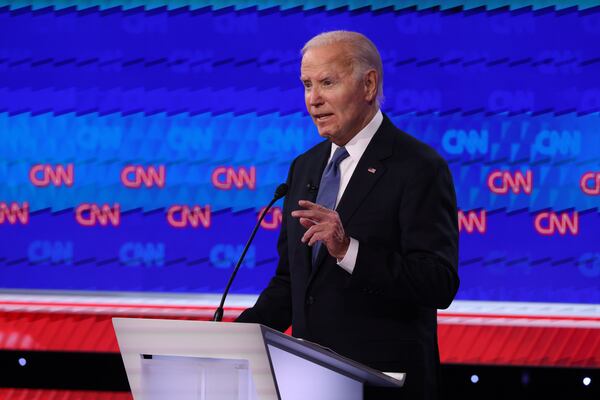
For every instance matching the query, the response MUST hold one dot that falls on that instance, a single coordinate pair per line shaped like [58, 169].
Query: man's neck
[366, 120]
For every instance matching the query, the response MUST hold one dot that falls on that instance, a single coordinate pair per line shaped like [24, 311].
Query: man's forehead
[317, 70]
[324, 61]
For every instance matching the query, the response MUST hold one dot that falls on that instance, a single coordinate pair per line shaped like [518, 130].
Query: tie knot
[338, 156]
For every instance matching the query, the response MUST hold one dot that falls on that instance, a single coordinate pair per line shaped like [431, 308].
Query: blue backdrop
[115, 122]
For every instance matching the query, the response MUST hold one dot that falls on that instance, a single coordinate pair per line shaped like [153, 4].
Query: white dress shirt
[355, 147]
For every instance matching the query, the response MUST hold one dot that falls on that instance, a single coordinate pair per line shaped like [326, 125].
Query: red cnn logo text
[499, 182]
[90, 214]
[226, 178]
[42, 175]
[273, 218]
[181, 216]
[14, 212]
[133, 176]
[548, 223]
[472, 220]
[590, 183]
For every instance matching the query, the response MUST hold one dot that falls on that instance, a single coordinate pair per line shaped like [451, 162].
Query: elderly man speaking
[368, 249]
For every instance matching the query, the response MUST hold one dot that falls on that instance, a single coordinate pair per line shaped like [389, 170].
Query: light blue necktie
[329, 188]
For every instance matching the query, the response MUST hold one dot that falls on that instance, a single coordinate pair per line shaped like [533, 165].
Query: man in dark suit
[368, 248]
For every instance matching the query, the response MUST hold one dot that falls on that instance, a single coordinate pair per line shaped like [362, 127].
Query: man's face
[336, 99]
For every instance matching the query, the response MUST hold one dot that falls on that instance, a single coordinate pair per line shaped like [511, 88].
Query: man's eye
[327, 83]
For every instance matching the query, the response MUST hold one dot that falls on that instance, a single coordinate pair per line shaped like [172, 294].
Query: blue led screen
[137, 147]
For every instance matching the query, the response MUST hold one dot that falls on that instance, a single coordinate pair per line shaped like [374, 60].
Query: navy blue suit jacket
[400, 205]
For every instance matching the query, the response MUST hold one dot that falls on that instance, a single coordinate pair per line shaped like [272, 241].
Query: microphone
[280, 192]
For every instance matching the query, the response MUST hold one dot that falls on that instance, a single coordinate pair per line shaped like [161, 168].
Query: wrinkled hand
[325, 225]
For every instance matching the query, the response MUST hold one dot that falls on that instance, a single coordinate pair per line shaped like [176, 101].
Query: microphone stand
[279, 193]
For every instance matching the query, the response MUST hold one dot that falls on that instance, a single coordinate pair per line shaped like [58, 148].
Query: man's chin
[329, 134]
[326, 133]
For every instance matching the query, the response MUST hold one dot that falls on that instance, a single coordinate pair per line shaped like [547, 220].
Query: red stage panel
[469, 333]
[519, 345]
[63, 331]
[45, 394]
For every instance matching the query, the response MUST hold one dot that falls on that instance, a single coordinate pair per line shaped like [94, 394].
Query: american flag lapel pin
[372, 170]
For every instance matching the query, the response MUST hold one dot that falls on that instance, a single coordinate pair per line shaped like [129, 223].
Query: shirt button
[310, 300]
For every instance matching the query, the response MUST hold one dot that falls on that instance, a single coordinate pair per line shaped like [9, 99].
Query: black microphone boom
[280, 192]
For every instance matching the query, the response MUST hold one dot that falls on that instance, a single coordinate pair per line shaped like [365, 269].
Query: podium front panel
[193, 339]
[301, 379]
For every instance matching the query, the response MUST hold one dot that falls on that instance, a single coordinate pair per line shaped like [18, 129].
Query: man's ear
[371, 81]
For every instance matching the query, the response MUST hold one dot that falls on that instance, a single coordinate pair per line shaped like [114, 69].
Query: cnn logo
[472, 221]
[273, 218]
[500, 182]
[90, 214]
[42, 175]
[547, 223]
[590, 183]
[227, 178]
[134, 176]
[182, 216]
[14, 213]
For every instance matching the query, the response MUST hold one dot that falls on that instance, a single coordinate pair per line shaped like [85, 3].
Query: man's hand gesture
[325, 225]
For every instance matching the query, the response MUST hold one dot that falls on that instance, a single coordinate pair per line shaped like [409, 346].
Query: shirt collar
[358, 144]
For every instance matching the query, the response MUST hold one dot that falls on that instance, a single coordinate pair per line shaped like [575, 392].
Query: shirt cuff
[349, 261]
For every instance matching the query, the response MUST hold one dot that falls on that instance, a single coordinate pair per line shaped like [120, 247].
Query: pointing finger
[310, 205]
[307, 223]
[312, 214]
[308, 234]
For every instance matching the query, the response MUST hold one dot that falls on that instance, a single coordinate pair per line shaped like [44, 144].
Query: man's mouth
[322, 117]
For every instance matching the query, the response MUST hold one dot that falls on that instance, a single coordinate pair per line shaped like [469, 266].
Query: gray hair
[363, 53]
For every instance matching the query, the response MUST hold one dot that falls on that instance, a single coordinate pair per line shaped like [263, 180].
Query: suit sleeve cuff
[349, 261]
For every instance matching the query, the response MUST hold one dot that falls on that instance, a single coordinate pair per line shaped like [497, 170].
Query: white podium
[198, 360]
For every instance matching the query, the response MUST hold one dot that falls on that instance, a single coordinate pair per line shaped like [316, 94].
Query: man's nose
[314, 97]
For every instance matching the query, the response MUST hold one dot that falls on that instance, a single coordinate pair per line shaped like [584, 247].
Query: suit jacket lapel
[368, 171]
[313, 178]
[315, 171]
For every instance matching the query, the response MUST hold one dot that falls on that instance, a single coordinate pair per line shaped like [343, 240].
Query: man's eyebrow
[320, 79]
